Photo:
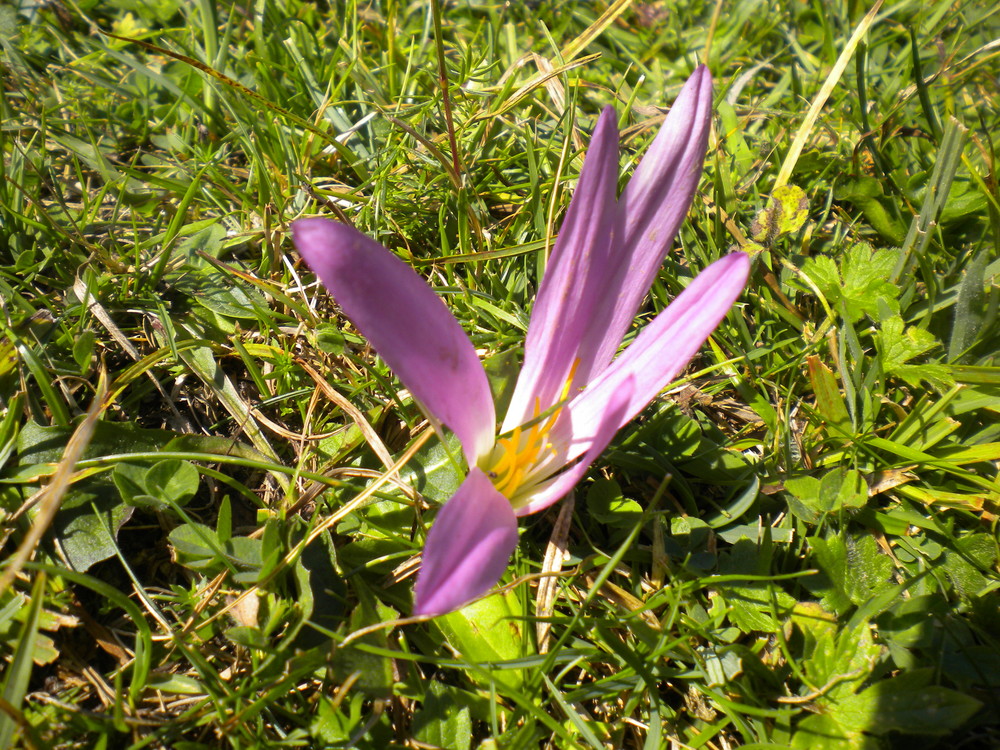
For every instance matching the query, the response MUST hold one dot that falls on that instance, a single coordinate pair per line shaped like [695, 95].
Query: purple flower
[573, 393]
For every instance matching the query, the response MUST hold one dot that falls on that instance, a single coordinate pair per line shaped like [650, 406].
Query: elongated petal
[655, 202]
[659, 353]
[562, 318]
[590, 445]
[409, 326]
[467, 548]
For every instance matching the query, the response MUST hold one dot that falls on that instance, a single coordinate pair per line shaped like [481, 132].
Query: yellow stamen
[516, 457]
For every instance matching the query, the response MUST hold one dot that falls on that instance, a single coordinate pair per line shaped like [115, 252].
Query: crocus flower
[573, 393]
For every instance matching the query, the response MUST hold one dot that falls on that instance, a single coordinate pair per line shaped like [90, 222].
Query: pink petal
[407, 324]
[591, 446]
[467, 548]
[659, 353]
[576, 278]
[654, 203]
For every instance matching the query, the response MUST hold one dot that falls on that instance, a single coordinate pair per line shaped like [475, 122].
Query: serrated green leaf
[857, 283]
[897, 343]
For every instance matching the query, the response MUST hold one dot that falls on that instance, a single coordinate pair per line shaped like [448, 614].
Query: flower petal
[654, 203]
[574, 282]
[407, 324]
[659, 353]
[591, 446]
[467, 548]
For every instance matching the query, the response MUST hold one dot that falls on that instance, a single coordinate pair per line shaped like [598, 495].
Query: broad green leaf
[868, 570]
[164, 485]
[754, 605]
[442, 721]
[219, 446]
[224, 296]
[503, 369]
[816, 625]
[966, 563]
[437, 470]
[721, 665]
[868, 195]
[322, 593]
[488, 632]
[736, 145]
[607, 505]
[822, 732]
[37, 444]
[175, 684]
[83, 350]
[88, 534]
[335, 723]
[906, 704]
[224, 523]
[128, 478]
[971, 317]
[10, 425]
[812, 498]
[92, 512]
[743, 501]
[209, 240]
[374, 672]
[248, 637]
[914, 622]
[837, 659]
[173, 481]
[672, 433]
[197, 547]
[854, 570]
[803, 498]
[829, 400]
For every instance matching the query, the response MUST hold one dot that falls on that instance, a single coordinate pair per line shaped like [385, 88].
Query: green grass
[203, 440]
